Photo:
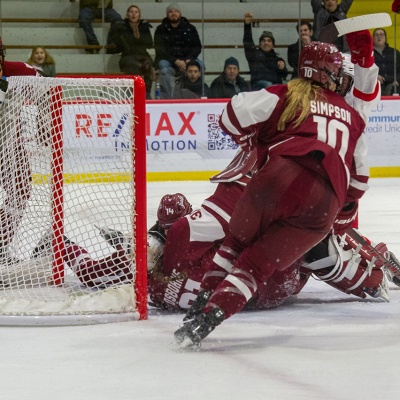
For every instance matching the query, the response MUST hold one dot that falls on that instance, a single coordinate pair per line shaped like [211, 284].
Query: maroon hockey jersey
[332, 126]
[190, 246]
[18, 69]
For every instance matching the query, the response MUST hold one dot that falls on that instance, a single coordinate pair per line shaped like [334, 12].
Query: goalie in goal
[112, 270]
[15, 174]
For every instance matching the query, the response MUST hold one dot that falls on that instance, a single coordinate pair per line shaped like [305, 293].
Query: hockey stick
[242, 164]
[332, 31]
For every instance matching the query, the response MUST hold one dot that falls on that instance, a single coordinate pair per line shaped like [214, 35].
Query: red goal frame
[139, 167]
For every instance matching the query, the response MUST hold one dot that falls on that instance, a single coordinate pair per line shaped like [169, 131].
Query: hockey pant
[285, 210]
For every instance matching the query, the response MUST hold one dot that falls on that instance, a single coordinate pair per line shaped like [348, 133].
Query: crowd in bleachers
[177, 68]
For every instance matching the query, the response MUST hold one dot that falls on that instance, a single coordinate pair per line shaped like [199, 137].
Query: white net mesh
[67, 196]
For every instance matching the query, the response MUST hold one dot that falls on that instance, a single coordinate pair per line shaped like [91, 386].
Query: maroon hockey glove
[396, 6]
[345, 218]
[247, 142]
[361, 48]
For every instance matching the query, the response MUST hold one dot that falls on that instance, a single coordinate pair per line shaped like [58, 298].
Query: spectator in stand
[384, 59]
[306, 37]
[133, 38]
[91, 9]
[190, 86]
[176, 42]
[327, 12]
[266, 68]
[42, 61]
[229, 83]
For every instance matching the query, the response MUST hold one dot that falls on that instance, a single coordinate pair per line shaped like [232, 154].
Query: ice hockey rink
[321, 344]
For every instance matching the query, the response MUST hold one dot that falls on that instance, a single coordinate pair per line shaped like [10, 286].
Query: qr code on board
[217, 138]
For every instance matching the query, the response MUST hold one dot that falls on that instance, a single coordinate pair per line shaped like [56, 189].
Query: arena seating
[54, 25]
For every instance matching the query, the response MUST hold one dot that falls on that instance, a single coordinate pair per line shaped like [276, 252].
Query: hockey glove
[345, 218]
[396, 6]
[361, 48]
[247, 142]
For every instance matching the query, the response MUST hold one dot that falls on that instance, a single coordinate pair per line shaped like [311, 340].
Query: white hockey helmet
[155, 251]
[346, 76]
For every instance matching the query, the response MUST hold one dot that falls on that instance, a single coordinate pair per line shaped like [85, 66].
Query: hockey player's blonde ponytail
[300, 93]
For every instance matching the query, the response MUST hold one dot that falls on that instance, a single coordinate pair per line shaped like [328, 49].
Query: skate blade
[185, 345]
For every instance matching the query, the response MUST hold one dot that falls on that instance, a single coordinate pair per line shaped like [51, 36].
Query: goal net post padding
[73, 164]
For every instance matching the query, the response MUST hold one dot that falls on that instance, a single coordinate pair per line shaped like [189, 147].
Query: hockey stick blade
[331, 32]
[242, 163]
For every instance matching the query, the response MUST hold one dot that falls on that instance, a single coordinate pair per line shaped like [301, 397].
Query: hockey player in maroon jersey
[312, 169]
[177, 261]
[15, 173]
[191, 242]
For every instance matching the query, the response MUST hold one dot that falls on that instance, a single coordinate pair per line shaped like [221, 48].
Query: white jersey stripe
[228, 125]
[217, 209]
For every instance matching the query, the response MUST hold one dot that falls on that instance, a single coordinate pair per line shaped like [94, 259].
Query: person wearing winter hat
[229, 83]
[176, 42]
[266, 68]
[293, 52]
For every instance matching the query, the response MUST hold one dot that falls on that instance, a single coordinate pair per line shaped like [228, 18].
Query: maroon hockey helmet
[320, 62]
[172, 207]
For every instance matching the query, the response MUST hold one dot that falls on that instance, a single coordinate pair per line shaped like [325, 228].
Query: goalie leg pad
[351, 268]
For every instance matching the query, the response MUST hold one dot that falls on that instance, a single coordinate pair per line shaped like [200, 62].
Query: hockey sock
[221, 265]
[233, 293]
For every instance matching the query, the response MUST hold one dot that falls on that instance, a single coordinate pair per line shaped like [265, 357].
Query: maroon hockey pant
[285, 210]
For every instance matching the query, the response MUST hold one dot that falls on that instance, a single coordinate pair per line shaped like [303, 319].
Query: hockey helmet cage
[172, 207]
[320, 62]
[346, 76]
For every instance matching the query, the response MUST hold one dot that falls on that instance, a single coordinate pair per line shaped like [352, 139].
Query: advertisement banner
[383, 132]
[184, 140]
[96, 136]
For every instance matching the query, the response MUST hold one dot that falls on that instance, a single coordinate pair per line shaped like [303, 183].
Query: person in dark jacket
[229, 83]
[327, 12]
[176, 42]
[306, 37]
[384, 59]
[266, 68]
[91, 9]
[190, 86]
[133, 38]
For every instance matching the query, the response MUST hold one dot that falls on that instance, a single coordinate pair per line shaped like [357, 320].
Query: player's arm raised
[366, 90]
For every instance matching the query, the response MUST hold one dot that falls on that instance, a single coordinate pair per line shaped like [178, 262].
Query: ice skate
[395, 266]
[44, 246]
[115, 239]
[198, 304]
[380, 292]
[194, 331]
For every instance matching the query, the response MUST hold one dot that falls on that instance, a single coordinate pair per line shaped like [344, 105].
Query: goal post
[73, 200]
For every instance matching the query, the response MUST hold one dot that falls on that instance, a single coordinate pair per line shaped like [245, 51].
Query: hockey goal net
[73, 200]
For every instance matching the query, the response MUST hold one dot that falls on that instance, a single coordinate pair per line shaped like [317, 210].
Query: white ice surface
[320, 345]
